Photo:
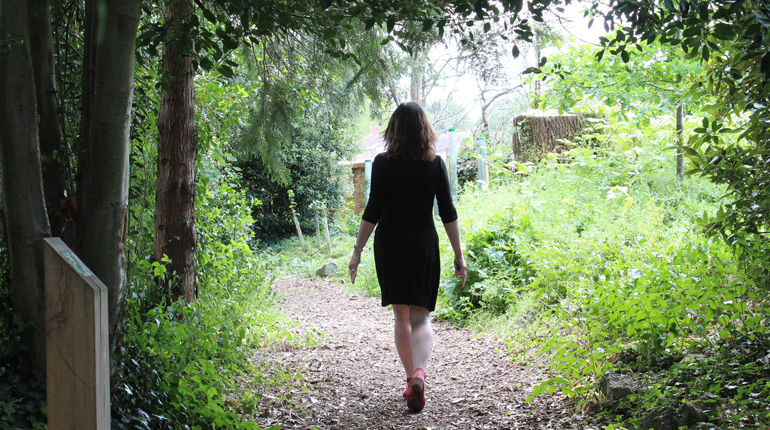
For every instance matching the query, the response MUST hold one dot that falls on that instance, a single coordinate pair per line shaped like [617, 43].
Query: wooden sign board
[77, 350]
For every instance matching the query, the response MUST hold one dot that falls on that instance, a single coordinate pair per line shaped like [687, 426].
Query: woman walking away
[405, 180]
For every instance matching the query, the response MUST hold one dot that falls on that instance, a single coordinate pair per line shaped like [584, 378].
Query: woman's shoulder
[438, 161]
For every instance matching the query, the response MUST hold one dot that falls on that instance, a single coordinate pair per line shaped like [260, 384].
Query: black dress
[406, 252]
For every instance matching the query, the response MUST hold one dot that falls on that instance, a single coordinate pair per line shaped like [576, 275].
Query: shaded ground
[352, 378]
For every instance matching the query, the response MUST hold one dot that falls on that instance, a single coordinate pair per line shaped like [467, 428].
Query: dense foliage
[732, 41]
[316, 178]
[650, 82]
[22, 392]
[597, 260]
[181, 363]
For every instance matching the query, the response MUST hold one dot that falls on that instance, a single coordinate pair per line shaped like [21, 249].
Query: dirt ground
[352, 378]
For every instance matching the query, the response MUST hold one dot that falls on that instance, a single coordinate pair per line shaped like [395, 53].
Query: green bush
[180, 363]
[22, 390]
[599, 261]
[315, 177]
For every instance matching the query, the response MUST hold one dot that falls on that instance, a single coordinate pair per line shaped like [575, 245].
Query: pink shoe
[415, 399]
[408, 388]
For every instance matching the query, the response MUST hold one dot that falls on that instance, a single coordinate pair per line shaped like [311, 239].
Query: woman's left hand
[461, 269]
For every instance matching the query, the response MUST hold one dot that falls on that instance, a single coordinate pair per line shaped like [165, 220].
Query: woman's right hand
[355, 260]
[461, 269]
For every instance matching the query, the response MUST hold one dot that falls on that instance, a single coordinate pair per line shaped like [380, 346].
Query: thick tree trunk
[23, 198]
[105, 193]
[89, 56]
[52, 151]
[537, 135]
[177, 152]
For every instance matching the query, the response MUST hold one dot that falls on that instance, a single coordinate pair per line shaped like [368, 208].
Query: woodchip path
[352, 378]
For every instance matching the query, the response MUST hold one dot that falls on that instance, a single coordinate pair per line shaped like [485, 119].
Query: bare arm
[364, 231]
[453, 232]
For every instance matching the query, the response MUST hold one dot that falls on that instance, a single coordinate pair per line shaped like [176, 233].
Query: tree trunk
[177, 152]
[53, 155]
[415, 89]
[484, 119]
[394, 92]
[23, 198]
[105, 194]
[679, 127]
[83, 174]
[537, 135]
[538, 56]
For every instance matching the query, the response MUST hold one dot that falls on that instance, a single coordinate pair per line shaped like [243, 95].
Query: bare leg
[421, 336]
[403, 331]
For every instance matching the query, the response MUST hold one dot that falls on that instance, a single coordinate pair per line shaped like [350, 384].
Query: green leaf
[209, 16]
[765, 65]
[225, 70]
[515, 51]
[624, 56]
[689, 151]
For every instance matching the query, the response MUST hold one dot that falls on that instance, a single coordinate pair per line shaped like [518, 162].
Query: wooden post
[368, 176]
[453, 162]
[77, 350]
[483, 171]
[299, 230]
[317, 228]
[326, 231]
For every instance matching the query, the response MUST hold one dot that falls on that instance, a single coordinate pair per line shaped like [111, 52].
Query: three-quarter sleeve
[374, 206]
[446, 209]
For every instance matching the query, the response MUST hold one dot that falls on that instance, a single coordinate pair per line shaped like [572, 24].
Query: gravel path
[352, 378]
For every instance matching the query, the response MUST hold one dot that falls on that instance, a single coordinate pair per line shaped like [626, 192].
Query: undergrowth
[597, 255]
[190, 366]
[22, 391]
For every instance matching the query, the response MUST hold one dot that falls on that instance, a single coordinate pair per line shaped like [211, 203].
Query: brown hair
[409, 135]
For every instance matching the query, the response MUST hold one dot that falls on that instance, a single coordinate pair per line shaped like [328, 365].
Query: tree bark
[540, 134]
[23, 198]
[394, 92]
[177, 152]
[82, 177]
[52, 151]
[103, 227]
[415, 89]
[680, 141]
[679, 127]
